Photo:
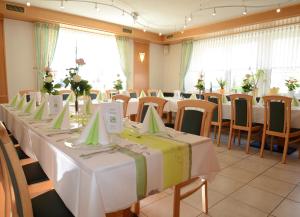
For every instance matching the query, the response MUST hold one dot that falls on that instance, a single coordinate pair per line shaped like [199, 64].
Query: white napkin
[31, 106]
[42, 111]
[62, 120]
[160, 94]
[152, 122]
[142, 94]
[95, 132]
[193, 96]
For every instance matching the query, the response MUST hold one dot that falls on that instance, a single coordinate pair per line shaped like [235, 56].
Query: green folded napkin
[224, 99]
[153, 126]
[71, 97]
[143, 94]
[295, 102]
[152, 122]
[61, 121]
[88, 106]
[93, 135]
[254, 102]
[99, 97]
[42, 111]
[14, 101]
[22, 102]
[31, 106]
[193, 96]
[160, 94]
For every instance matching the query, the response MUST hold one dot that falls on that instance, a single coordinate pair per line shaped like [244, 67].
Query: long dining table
[91, 182]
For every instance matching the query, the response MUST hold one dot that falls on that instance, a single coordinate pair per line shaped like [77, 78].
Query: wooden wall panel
[3, 80]
[141, 69]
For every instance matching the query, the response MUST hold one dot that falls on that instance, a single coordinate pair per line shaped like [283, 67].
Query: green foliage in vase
[200, 83]
[292, 84]
[118, 84]
[48, 84]
[222, 83]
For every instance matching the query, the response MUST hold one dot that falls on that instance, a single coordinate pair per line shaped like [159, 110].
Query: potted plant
[247, 83]
[78, 85]
[222, 84]
[118, 84]
[292, 84]
[200, 84]
[55, 100]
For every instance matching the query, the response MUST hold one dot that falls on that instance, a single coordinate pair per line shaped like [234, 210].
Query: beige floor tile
[251, 165]
[295, 195]
[224, 184]
[257, 198]
[272, 185]
[150, 199]
[287, 208]
[220, 149]
[195, 200]
[291, 165]
[164, 208]
[238, 174]
[230, 207]
[283, 175]
[229, 159]
[267, 159]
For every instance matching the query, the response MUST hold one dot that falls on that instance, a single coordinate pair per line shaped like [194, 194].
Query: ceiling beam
[272, 15]
[35, 14]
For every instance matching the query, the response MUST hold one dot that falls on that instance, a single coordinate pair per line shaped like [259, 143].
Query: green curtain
[186, 55]
[45, 35]
[125, 52]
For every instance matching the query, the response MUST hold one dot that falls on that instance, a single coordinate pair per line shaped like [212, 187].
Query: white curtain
[276, 50]
[99, 51]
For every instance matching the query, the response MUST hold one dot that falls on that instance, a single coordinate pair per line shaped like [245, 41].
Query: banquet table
[106, 182]
[257, 115]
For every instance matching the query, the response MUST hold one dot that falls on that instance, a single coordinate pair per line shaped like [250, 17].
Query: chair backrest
[111, 93]
[14, 178]
[277, 115]
[125, 99]
[133, 93]
[94, 94]
[27, 93]
[241, 110]
[168, 94]
[152, 92]
[186, 95]
[65, 93]
[194, 116]
[217, 99]
[143, 107]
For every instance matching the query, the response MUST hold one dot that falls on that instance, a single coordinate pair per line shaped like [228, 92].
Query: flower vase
[77, 110]
[254, 94]
[291, 93]
[222, 91]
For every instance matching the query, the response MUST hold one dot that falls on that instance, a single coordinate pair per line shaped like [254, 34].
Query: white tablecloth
[106, 182]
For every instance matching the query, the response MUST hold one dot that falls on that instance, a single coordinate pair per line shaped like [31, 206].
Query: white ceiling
[163, 16]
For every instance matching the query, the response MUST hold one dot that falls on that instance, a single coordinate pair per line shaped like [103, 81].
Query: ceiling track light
[214, 13]
[97, 7]
[278, 10]
[245, 11]
[28, 4]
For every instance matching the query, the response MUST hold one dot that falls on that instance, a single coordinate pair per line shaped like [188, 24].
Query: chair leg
[239, 137]
[248, 141]
[286, 144]
[215, 132]
[230, 138]
[205, 198]
[136, 208]
[262, 146]
[219, 135]
[271, 144]
[176, 202]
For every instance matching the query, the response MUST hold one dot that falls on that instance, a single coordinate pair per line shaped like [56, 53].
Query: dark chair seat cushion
[170, 125]
[21, 154]
[34, 173]
[293, 130]
[191, 122]
[49, 204]
[14, 140]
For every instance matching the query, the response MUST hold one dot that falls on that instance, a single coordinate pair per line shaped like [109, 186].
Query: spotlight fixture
[278, 10]
[189, 19]
[145, 30]
[135, 16]
[214, 13]
[142, 56]
[97, 7]
[184, 26]
[160, 34]
[28, 4]
[245, 11]
[62, 4]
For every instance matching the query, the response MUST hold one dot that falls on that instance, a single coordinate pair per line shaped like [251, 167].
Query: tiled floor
[246, 186]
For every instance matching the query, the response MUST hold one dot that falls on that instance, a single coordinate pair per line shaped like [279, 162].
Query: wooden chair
[125, 100]
[133, 93]
[217, 120]
[17, 197]
[193, 116]
[65, 93]
[241, 118]
[110, 93]
[277, 123]
[152, 92]
[27, 93]
[143, 107]
[94, 94]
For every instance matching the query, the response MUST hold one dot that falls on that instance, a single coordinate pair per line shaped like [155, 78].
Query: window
[277, 51]
[99, 51]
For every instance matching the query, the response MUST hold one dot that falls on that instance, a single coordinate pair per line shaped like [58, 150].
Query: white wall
[171, 70]
[156, 66]
[19, 54]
